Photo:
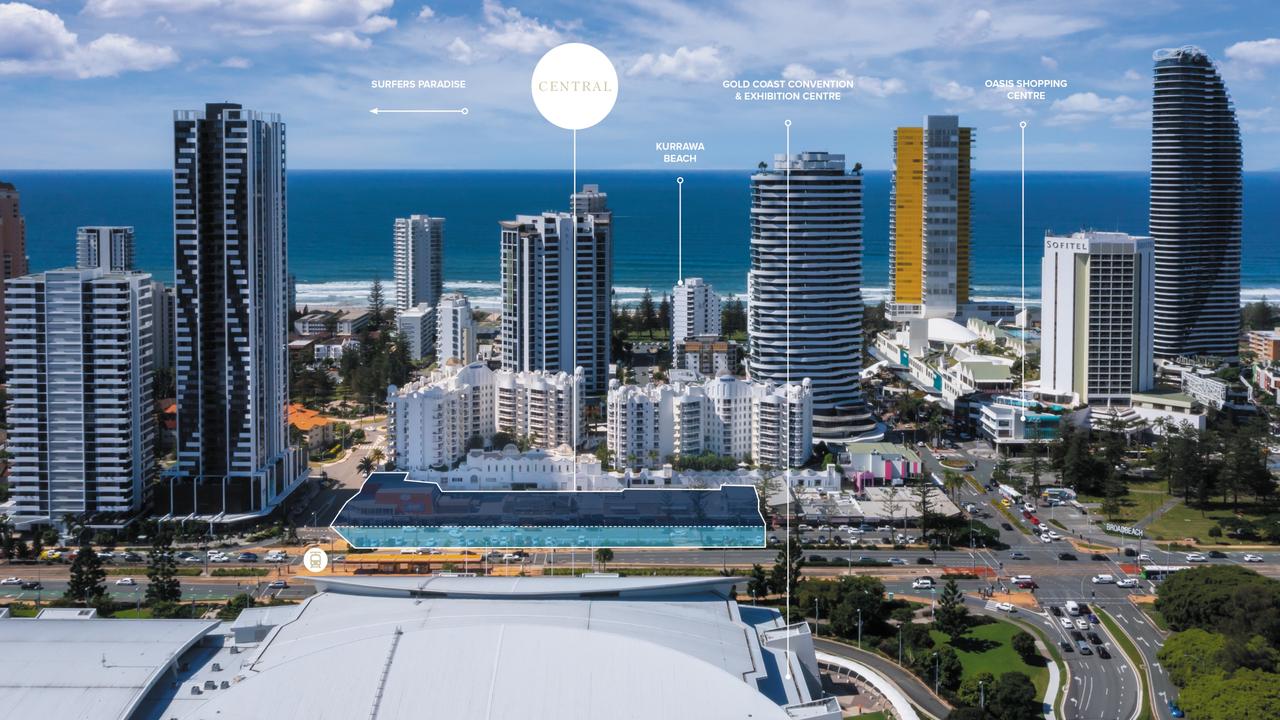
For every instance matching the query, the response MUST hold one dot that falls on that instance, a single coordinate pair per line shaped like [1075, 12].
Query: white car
[1103, 579]
[1045, 538]
[1250, 557]
[1066, 623]
[1196, 557]
[1020, 578]
[126, 581]
[1029, 507]
[1006, 607]
[1127, 582]
[1082, 624]
[1144, 558]
[11, 581]
[922, 584]
[1053, 535]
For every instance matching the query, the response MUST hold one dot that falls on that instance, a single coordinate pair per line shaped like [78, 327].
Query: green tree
[787, 568]
[1244, 694]
[1003, 470]
[235, 606]
[162, 570]
[88, 580]
[647, 312]
[856, 593]
[945, 669]
[1014, 698]
[604, 556]
[923, 492]
[951, 617]
[1223, 598]
[970, 692]
[952, 482]
[377, 304]
[1025, 646]
[757, 583]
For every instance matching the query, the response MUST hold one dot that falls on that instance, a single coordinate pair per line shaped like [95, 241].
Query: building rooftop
[882, 448]
[95, 669]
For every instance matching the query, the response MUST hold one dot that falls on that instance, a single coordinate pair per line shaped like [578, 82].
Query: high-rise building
[1196, 211]
[162, 336]
[1096, 328]
[107, 247]
[557, 282]
[81, 418]
[434, 420]
[804, 316]
[725, 416]
[417, 327]
[455, 330]
[13, 241]
[695, 312]
[234, 458]
[930, 219]
[419, 261]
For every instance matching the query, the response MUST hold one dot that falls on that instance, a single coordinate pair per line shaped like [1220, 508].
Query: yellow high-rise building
[930, 219]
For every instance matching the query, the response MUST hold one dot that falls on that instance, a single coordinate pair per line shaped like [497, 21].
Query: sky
[92, 83]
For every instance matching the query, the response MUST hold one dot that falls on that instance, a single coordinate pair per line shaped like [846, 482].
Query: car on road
[1217, 555]
[1102, 652]
[127, 581]
[1084, 648]
[1066, 556]
[1006, 607]
[1082, 624]
[247, 557]
[1006, 527]
[923, 561]
[1028, 509]
[897, 561]
[1099, 557]
[1045, 538]
[1130, 552]
[1053, 534]
[192, 560]
[1017, 555]
[1077, 636]
[812, 558]
[32, 585]
[1103, 579]
[131, 557]
[1250, 557]
[1127, 582]
[922, 584]
[1066, 646]
[1066, 623]
[11, 581]
[1196, 557]
[1144, 557]
[1057, 611]
[277, 584]
[1027, 585]
[1093, 638]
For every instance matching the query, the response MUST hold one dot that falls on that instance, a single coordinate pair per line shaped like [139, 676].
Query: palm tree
[952, 481]
[365, 466]
[377, 456]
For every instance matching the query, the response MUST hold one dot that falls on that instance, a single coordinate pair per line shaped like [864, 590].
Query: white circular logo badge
[315, 560]
[574, 86]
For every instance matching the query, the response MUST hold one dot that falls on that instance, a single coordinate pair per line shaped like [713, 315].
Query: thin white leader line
[787, 355]
[1022, 229]
[679, 231]
[577, 387]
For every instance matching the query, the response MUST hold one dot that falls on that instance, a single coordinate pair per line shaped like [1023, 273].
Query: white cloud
[377, 24]
[343, 39]
[1256, 52]
[510, 29]
[703, 63]
[426, 13]
[37, 42]
[975, 28]
[865, 84]
[1088, 106]
[1259, 120]
[1134, 76]
[953, 91]
[237, 63]
[1048, 62]
[460, 51]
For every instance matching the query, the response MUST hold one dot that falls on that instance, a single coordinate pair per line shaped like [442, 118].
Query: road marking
[1143, 641]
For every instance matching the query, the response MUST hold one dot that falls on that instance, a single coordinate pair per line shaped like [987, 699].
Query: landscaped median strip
[1016, 522]
[1135, 661]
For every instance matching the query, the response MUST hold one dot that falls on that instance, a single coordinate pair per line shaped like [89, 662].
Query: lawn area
[988, 648]
[878, 715]
[1142, 499]
[1182, 521]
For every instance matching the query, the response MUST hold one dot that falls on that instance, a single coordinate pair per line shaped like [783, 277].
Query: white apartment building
[81, 417]
[435, 419]
[557, 280]
[455, 330]
[695, 312]
[416, 326]
[419, 260]
[108, 247]
[1096, 334]
[726, 416]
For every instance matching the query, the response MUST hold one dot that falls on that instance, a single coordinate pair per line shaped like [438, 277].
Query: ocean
[340, 224]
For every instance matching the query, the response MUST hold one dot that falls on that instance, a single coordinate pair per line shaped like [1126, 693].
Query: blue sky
[92, 83]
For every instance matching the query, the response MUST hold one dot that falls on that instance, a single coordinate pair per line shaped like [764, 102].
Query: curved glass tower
[805, 286]
[1195, 207]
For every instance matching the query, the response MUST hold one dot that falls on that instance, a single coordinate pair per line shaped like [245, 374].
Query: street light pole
[859, 628]
[982, 696]
[935, 673]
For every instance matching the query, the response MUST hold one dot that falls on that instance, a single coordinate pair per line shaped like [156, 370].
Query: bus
[1156, 573]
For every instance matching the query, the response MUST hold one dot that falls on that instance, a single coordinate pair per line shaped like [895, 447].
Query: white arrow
[457, 111]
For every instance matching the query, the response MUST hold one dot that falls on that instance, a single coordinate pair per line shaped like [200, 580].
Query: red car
[1034, 520]
[1026, 514]
[1028, 584]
